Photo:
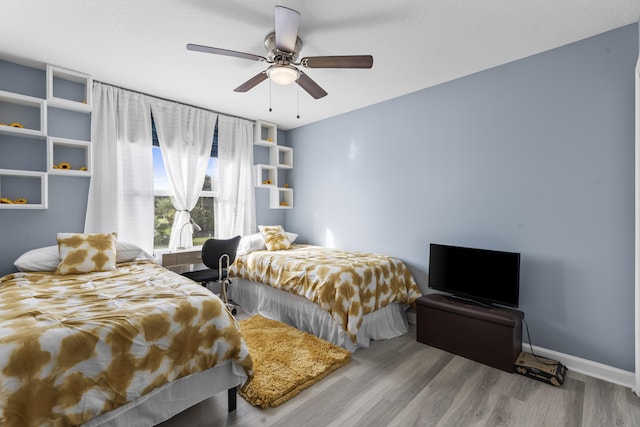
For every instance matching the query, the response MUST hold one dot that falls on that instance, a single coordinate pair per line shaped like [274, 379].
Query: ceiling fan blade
[287, 21]
[252, 82]
[346, 61]
[226, 52]
[305, 82]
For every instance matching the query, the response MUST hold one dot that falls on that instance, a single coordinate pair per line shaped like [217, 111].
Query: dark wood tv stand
[488, 335]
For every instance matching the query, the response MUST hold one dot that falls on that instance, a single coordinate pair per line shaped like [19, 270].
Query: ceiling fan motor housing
[276, 55]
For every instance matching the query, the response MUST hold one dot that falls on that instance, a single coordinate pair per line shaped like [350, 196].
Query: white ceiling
[140, 45]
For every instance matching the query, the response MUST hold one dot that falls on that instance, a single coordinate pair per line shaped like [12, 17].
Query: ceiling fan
[283, 47]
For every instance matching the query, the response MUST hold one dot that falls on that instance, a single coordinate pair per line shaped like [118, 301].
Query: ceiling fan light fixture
[283, 74]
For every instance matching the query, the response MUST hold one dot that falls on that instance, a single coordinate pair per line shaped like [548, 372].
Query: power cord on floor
[540, 358]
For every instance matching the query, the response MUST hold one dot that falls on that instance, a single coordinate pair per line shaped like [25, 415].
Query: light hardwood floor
[401, 382]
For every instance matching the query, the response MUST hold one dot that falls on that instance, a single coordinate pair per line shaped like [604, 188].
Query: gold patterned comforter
[73, 347]
[346, 284]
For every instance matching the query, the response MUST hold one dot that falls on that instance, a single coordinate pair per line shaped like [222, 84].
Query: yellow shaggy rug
[285, 361]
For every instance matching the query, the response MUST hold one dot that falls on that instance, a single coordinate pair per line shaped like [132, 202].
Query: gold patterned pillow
[86, 253]
[275, 237]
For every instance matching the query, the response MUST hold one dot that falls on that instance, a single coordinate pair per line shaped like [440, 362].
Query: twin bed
[345, 297]
[133, 344]
[137, 343]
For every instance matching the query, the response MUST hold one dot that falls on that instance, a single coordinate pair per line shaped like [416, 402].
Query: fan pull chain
[270, 95]
[298, 116]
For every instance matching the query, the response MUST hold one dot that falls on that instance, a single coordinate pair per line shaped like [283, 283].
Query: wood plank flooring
[401, 382]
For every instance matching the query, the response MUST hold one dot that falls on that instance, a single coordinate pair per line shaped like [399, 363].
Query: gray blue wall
[535, 156]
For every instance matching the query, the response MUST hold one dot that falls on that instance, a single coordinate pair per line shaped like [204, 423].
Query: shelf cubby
[281, 198]
[266, 173]
[69, 90]
[28, 185]
[72, 151]
[281, 156]
[265, 134]
[27, 111]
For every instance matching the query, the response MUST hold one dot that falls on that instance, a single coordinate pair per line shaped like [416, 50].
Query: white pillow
[250, 243]
[127, 252]
[256, 242]
[40, 259]
[48, 257]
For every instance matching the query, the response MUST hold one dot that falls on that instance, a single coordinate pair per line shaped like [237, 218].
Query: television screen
[486, 276]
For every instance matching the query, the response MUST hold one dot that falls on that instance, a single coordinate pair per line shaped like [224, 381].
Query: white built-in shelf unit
[26, 117]
[280, 157]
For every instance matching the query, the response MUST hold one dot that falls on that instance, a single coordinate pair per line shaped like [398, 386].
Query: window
[202, 214]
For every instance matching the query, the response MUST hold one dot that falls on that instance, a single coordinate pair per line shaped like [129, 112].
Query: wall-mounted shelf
[29, 186]
[280, 157]
[281, 198]
[69, 90]
[22, 115]
[28, 117]
[75, 153]
[265, 134]
[266, 176]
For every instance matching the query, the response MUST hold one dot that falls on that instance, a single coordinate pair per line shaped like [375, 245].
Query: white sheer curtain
[121, 188]
[234, 209]
[185, 134]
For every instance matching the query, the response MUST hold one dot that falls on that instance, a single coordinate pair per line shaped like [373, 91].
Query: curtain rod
[172, 100]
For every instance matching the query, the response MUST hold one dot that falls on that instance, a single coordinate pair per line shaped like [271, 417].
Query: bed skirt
[258, 298]
[173, 398]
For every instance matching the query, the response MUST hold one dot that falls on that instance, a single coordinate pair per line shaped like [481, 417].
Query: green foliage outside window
[202, 215]
[162, 225]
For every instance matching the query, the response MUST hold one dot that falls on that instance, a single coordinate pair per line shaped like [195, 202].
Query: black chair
[218, 255]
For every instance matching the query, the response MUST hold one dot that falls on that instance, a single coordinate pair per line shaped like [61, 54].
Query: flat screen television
[485, 276]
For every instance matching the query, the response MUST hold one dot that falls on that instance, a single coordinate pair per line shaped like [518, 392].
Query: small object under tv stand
[489, 335]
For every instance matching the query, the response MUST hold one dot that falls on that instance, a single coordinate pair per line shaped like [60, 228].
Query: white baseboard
[587, 367]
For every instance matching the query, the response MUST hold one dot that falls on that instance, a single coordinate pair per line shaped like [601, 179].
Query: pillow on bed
[86, 252]
[255, 242]
[275, 238]
[250, 243]
[47, 258]
[40, 259]
[127, 252]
